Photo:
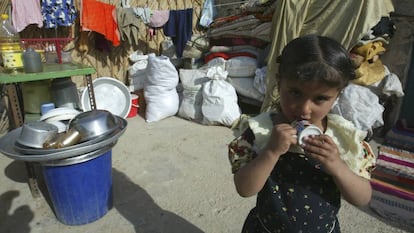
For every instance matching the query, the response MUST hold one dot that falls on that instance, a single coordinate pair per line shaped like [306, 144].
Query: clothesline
[230, 3]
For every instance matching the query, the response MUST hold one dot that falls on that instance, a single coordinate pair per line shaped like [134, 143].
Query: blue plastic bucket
[80, 187]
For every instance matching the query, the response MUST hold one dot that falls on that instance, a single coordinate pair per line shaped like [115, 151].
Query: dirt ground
[168, 176]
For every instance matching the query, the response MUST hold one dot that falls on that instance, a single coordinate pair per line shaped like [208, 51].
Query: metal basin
[34, 134]
[94, 123]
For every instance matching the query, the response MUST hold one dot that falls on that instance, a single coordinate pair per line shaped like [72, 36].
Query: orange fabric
[99, 17]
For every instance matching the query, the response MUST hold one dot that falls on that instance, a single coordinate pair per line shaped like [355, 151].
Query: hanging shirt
[179, 27]
[58, 13]
[25, 12]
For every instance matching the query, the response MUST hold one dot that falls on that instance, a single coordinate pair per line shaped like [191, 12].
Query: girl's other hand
[324, 150]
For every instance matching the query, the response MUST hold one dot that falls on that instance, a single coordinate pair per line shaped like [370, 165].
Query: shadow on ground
[137, 206]
[19, 218]
[16, 220]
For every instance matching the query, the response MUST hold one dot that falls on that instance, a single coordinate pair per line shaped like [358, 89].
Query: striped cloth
[393, 208]
[392, 182]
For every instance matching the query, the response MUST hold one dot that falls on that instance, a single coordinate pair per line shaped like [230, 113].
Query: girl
[299, 187]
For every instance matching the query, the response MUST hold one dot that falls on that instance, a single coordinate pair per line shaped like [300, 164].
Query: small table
[50, 71]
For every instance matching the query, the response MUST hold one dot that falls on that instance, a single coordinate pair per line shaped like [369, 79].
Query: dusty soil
[168, 176]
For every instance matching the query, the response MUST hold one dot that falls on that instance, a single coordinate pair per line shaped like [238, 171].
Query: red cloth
[99, 17]
[227, 56]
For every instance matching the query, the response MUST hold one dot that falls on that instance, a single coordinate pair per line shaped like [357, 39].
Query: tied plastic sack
[219, 99]
[160, 91]
[192, 81]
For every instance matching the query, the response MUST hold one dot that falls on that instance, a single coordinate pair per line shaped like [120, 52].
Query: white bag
[161, 72]
[160, 103]
[160, 91]
[219, 99]
[245, 87]
[190, 107]
[192, 81]
[137, 71]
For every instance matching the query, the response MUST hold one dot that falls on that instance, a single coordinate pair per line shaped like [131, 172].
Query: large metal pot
[86, 126]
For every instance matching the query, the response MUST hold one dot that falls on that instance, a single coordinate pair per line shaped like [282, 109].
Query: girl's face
[306, 100]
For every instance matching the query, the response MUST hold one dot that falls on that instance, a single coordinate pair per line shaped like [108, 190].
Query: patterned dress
[298, 196]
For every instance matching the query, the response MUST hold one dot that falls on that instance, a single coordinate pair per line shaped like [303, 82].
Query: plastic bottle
[10, 47]
[32, 61]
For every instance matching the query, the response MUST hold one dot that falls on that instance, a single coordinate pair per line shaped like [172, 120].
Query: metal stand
[18, 121]
[50, 71]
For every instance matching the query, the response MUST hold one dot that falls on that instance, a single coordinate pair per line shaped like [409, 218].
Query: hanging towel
[100, 17]
[179, 28]
[58, 13]
[128, 25]
[25, 12]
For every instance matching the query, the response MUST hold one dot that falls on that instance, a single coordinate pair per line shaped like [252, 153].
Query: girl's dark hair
[316, 58]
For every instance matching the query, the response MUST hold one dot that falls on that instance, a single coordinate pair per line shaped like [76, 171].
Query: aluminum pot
[86, 126]
[34, 134]
[94, 123]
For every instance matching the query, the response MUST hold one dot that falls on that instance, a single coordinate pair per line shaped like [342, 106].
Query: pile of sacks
[205, 97]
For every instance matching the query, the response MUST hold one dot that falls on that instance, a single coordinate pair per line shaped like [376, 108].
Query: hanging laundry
[128, 25]
[159, 18]
[58, 13]
[99, 17]
[208, 13]
[179, 27]
[143, 12]
[26, 12]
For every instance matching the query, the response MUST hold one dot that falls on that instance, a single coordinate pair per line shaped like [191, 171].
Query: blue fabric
[179, 28]
[58, 13]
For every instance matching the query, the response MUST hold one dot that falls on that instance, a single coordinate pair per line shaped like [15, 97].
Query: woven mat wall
[116, 63]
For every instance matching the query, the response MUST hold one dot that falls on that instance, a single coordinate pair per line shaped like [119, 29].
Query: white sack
[244, 86]
[160, 91]
[192, 81]
[219, 99]
[160, 104]
[190, 106]
[137, 71]
[161, 72]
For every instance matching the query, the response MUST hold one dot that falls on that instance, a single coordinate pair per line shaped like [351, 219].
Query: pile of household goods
[203, 80]
[63, 133]
[236, 47]
[392, 180]
[74, 150]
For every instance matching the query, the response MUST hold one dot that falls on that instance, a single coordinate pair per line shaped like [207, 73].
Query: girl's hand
[323, 149]
[283, 135]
